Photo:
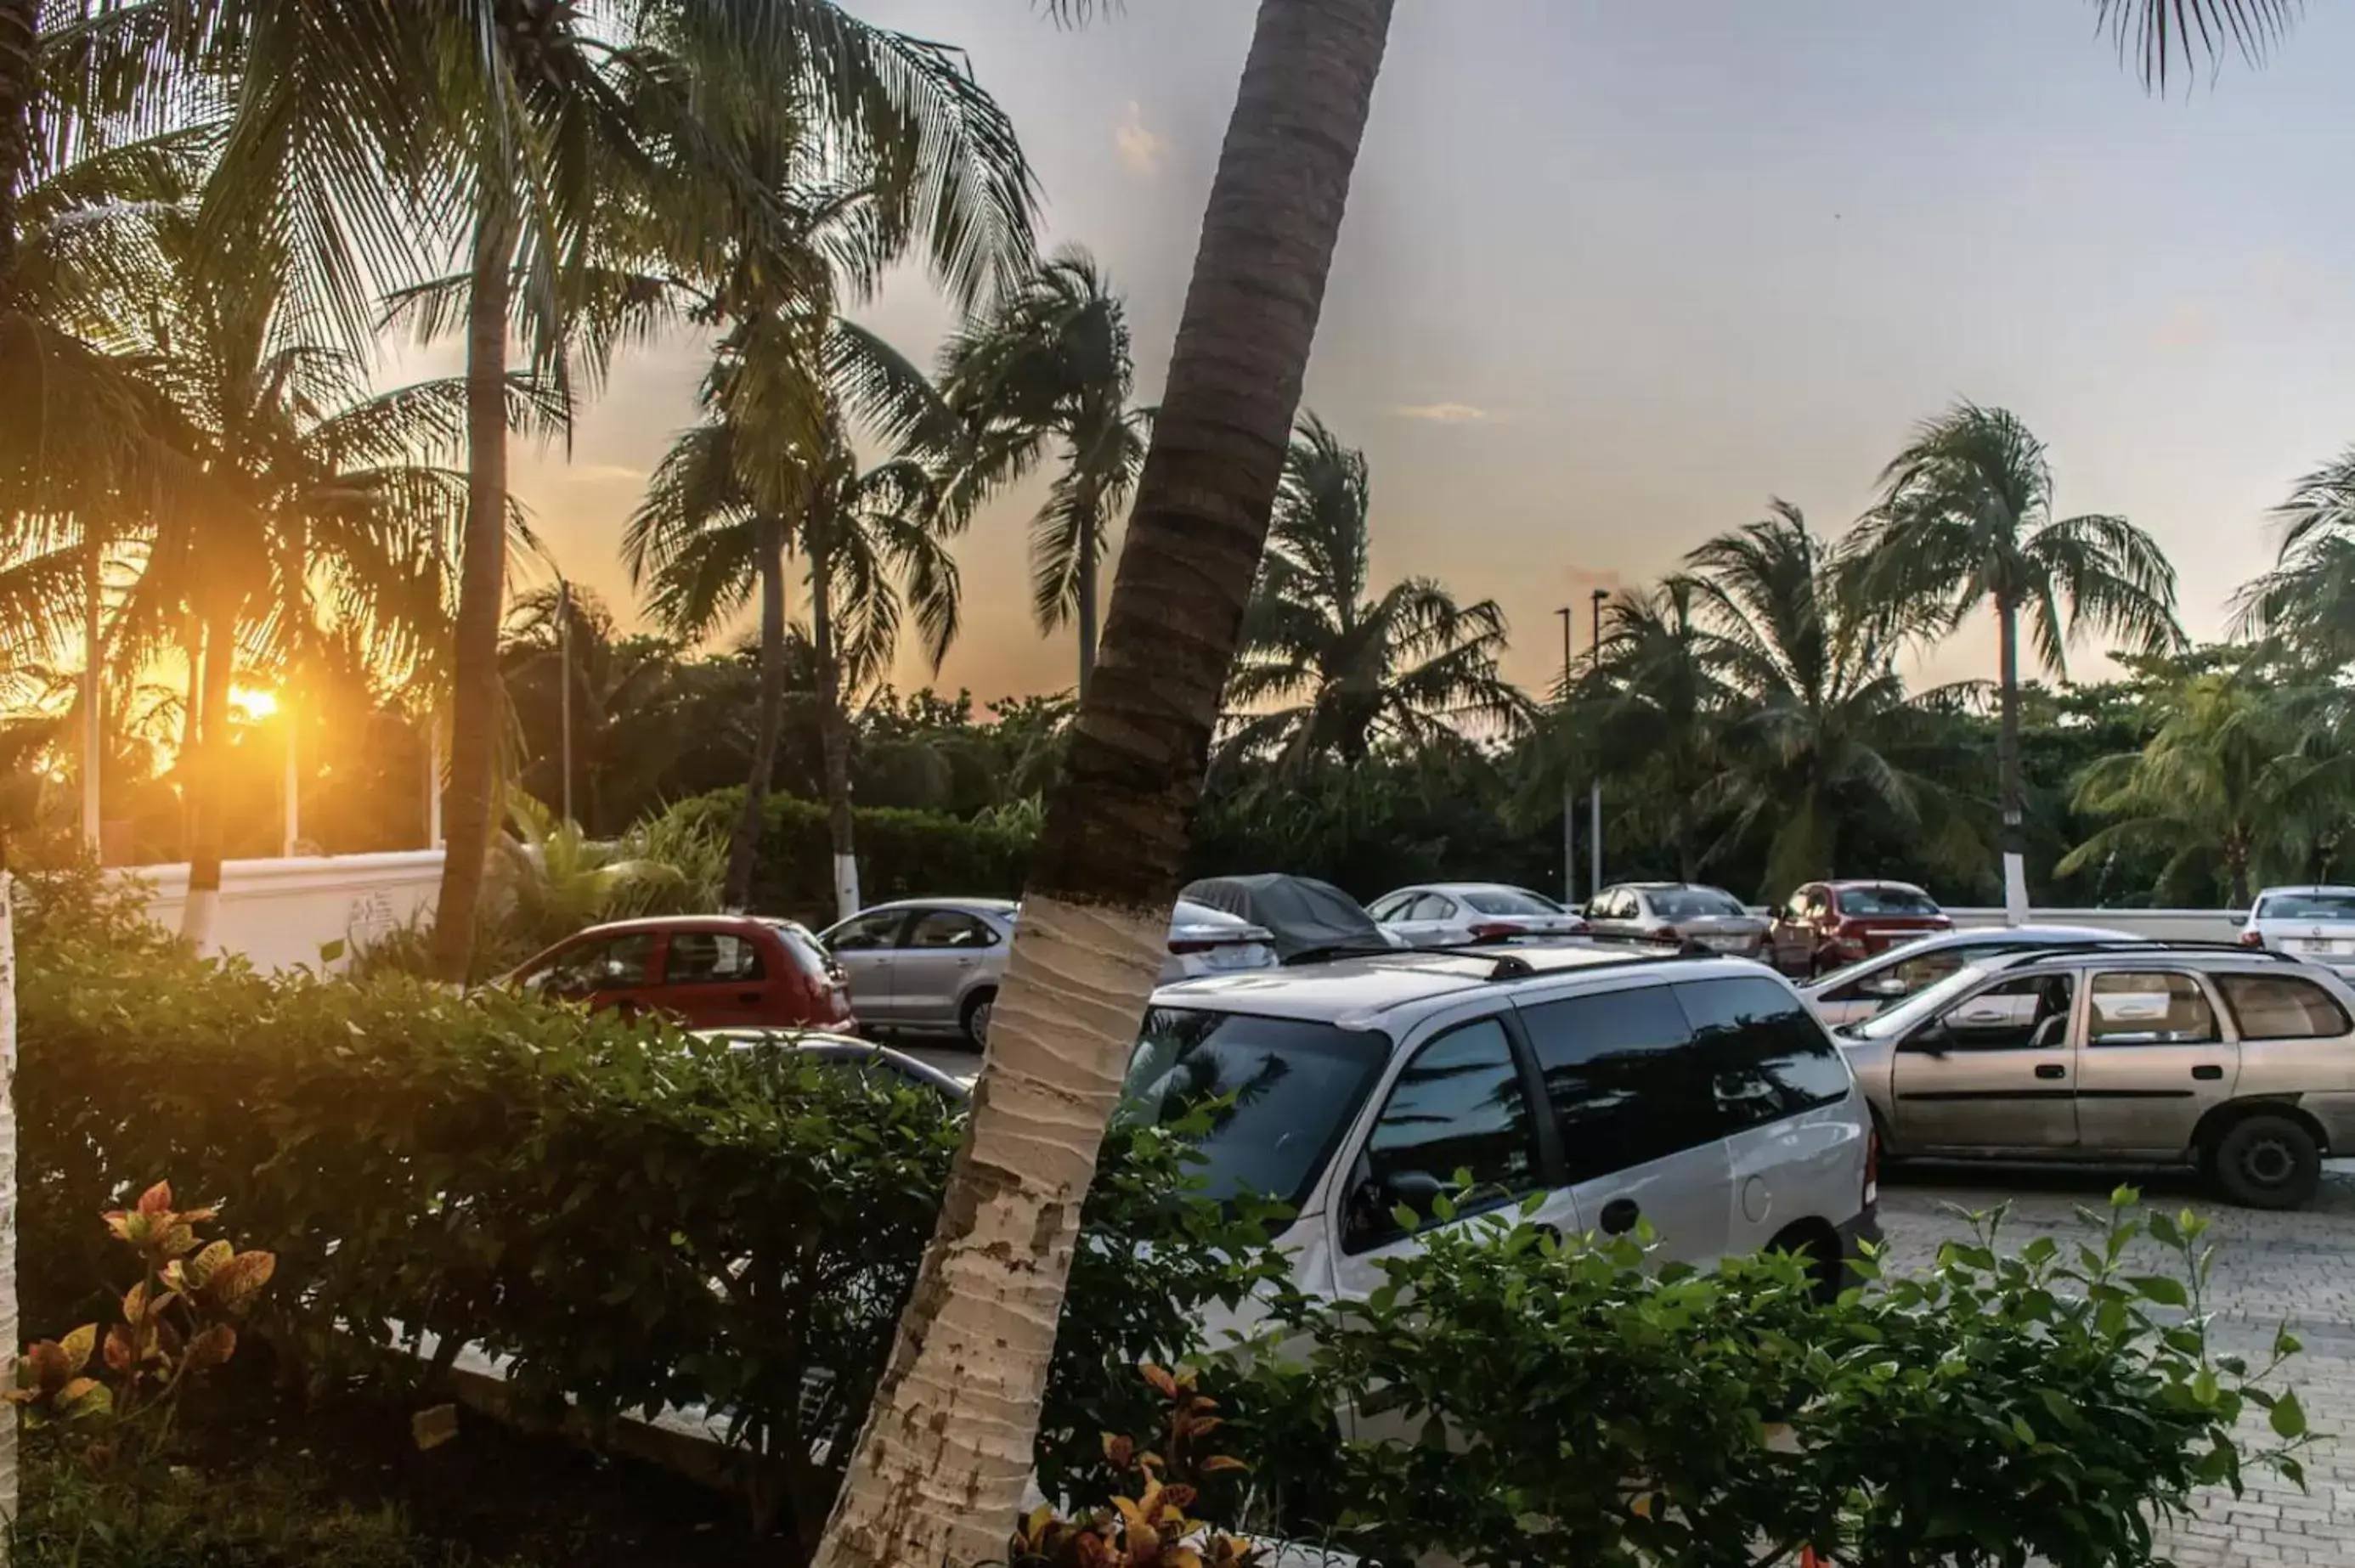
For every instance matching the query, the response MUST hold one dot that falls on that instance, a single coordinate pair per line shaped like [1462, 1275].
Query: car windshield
[1900, 1020]
[1282, 1091]
[2307, 906]
[1510, 901]
[1695, 903]
[1886, 901]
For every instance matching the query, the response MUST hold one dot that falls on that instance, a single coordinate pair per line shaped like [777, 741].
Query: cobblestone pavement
[2271, 1269]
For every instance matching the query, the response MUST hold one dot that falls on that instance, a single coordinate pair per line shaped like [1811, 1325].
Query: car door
[867, 946]
[2155, 1061]
[1993, 1071]
[940, 950]
[715, 979]
[1639, 1140]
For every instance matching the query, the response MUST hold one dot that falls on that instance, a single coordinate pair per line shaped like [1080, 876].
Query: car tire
[2266, 1161]
[974, 1019]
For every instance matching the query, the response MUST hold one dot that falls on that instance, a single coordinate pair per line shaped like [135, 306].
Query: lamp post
[564, 685]
[1595, 792]
[1569, 791]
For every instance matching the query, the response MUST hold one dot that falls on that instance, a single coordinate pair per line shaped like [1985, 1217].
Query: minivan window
[1762, 1053]
[2283, 1007]
[1458, 1108]
[1295, 1087]
[1624, 1085]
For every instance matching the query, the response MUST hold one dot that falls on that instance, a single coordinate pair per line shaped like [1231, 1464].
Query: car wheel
[2267, 1161]
[975, 1018]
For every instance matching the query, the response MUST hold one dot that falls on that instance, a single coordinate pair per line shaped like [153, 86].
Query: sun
[253, 703]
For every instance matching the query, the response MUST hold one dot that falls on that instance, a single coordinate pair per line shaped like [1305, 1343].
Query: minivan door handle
[2208, 1073]
[2052, 1069]
[1620, 1215]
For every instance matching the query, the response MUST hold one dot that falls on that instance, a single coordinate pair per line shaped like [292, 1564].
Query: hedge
[637, 1219]
[901, 854]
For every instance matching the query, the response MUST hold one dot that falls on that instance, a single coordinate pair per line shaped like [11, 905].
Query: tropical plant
[2246, 781]
[1820, 702]
[1050, 365]
[551, 878]
[2306, 603]
[1964, 520]
[1347, 673]
[939, 1466]
[626, 716]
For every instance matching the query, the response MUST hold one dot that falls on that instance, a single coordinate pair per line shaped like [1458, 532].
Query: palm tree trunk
[10, 1326]
[476, 696]
[1087, 617]
[93, 697]
[209, 783]
[834, 742]
[940, 1467]
[744, 849]
[2014, 789]
[19, 75]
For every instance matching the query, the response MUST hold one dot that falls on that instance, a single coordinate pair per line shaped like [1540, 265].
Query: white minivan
[1699, 1094]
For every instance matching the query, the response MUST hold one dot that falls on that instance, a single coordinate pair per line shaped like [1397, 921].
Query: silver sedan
[1438, 914]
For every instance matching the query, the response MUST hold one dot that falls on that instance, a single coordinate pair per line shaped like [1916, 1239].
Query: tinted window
[2030, 1013]
[2282, 1006]
[1510, 901]
[1457, 1107]
[2321, 907]
[1296, 1087]
[1696, 903]
[949, 928]
[2145, 1008]
[707, 958]
[866, 931]
[1621, 1080]
[1886, 901]
[1762, 1053]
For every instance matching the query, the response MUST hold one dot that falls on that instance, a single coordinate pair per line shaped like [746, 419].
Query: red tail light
[1668, 934]
[1490, 928]
[2251, 937]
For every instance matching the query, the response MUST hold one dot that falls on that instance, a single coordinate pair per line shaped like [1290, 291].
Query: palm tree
[1350, 672]
[2243, 780]
[625, 714]
[1050, 365]
[2306, 603]
[939, 1467]
[1966, 519]
[1652, 710]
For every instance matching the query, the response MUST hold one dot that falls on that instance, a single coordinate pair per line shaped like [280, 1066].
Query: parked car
[1826, 925]
[2315, 922]
[1856, 993]
[1612, 1086]
[859, 1055]
[1305, 919]
[2238, 1063]
[1435, 914]
[933, 966]
[708, 971]
[1678, 912]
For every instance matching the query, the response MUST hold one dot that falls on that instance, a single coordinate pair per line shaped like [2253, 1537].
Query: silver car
[2313, 923]
[1853, 994]
[1678, 912]
[1440, 914]
[933, 966]
[2240, 1065]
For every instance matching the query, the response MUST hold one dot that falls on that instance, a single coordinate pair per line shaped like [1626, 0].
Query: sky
[1615, 275]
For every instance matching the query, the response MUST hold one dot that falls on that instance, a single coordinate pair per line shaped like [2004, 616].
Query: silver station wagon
[2240, 1064]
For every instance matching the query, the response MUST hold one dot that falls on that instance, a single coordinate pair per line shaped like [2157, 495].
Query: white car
[1697, 1094]
[1440, 914]
[1873, 986]
[2313, 923]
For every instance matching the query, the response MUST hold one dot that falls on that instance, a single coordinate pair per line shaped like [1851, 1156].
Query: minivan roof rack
[1511, 965]
[2151, 944]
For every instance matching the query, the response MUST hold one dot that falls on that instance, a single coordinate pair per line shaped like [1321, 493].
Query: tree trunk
[744, 849]
[834, 742]
[2014, 790]
[209, 783]
[942, 1464]
[474, 695]
[11, 1333]
[19, 77]
[1086, 607]
[93, 697]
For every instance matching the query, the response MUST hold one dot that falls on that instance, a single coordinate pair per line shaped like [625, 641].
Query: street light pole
[1594, 793]
[564, 707]
[1569, 790]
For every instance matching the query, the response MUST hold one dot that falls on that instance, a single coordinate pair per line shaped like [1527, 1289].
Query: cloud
[1442, 413]
[1140, 149]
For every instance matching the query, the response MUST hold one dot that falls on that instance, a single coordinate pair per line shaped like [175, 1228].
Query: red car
[708, 971]
[1826, 925]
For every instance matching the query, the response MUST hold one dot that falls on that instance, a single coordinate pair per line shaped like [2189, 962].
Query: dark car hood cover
[1302, 914]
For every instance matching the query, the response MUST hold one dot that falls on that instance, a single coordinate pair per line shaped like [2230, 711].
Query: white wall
[2180, 925]
[280, 913]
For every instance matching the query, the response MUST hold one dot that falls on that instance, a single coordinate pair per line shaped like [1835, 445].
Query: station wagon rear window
[1284, 1092]
[2283, 1007]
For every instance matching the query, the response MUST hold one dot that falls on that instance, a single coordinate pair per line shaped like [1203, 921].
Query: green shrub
[638, 1221]
[1521, 1398]
[901, 854]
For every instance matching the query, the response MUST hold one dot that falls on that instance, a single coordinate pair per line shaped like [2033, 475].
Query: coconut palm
[1050, 366]
[1347, 672]
[1965, 521]
[2306, 603]
[627, 721]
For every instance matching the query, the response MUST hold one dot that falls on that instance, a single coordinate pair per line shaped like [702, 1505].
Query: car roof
[2026, 935]
[840, 1046]
[1839, 882]
[2344, 891]
[1459, 887]
[2202, 956]
[676, 922]
[961, 904]
[1367, 986]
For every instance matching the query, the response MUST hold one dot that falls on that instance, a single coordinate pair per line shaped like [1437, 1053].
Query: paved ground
[2271, 1269]
[2298, 1268]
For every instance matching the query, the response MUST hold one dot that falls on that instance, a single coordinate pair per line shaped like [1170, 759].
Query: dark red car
[1826, 925]
[708, 971]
